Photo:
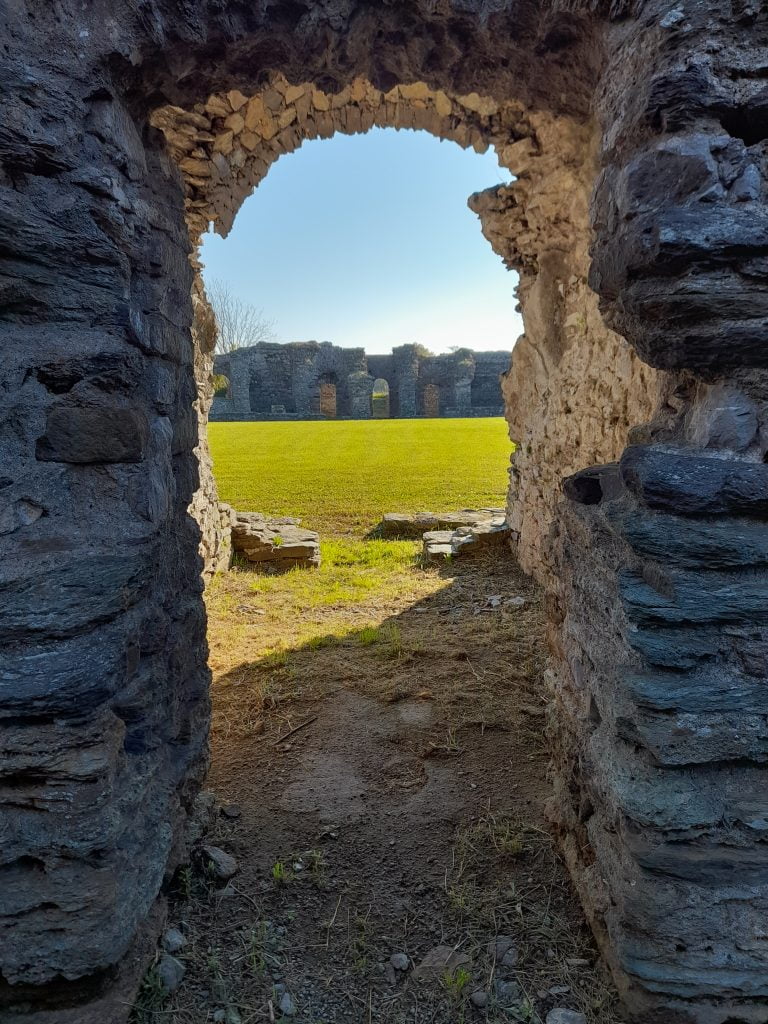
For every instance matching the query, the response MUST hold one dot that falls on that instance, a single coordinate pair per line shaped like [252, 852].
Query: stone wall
[575, 387]
[658, 622]
[271, 381]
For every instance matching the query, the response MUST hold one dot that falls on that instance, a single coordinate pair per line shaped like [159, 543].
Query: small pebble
[288, 1007]
[508, 992]
[223, 865]
[173, 940]
[479, 999]
[561, 1016]
[231, 811]
[170, 972]
[399, 961]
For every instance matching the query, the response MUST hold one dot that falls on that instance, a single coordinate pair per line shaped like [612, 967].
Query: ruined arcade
[311, 379]
[638, 134]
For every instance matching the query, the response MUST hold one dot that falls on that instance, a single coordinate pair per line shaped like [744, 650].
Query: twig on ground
[296, 729]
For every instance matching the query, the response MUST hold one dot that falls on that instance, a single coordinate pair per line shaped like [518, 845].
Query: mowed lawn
[341, 476]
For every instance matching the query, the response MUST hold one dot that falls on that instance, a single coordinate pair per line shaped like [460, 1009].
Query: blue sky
[367, 240]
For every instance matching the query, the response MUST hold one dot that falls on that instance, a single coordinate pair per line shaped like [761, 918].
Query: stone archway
[380, 399]
[658, 626]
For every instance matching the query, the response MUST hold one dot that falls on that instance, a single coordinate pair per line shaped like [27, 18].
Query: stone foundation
[274, 545]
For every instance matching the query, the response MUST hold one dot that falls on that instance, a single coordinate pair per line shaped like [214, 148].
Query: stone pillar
[360, 389]
[659, 621]
[463, 396]
[464, 367]
[305, 386]
[406, 364]
[103, 676]
[574, 387]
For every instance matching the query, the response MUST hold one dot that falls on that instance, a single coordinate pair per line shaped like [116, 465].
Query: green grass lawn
[341, 476]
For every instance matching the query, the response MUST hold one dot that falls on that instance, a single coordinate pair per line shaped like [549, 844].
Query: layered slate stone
[442, 544]
[275, 545]
[662, 656]
[414, 524]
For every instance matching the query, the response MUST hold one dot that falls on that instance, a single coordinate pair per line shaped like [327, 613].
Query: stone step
[414, 524]
[442, 544]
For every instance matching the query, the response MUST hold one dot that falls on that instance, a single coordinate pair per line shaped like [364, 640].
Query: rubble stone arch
[652, 605]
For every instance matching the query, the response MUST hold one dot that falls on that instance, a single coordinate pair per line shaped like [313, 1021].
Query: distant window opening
[221, 386]
[380, 399]
[431, 400]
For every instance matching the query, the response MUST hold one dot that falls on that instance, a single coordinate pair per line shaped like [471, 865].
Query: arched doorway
[221, 386]
[380, 404]
[140, 617]
[327, 400]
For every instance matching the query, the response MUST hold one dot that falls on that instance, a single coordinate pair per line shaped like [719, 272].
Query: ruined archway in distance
[380, 399]
[654, 558]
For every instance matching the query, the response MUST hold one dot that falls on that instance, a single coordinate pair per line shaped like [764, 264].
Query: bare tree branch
[240, 324]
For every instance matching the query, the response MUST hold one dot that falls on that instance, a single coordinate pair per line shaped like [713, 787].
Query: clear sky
[367, 240]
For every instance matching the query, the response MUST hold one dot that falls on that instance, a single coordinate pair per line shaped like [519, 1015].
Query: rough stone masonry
[304, 380]
[637, 131]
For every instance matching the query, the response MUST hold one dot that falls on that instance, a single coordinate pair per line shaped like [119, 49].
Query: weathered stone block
[93, 434]
[692, 484]
[275, 544]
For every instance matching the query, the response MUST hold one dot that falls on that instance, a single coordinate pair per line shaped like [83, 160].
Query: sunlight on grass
[350, 571]
[341, 476]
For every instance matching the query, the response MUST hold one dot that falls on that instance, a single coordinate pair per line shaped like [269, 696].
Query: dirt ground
[383, 791]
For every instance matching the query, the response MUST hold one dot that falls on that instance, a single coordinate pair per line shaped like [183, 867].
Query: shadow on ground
[383, 791]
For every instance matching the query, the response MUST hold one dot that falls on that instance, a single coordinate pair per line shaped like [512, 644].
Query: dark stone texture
[593, 485]
[688, 483]
[93, 433]
[725, 543]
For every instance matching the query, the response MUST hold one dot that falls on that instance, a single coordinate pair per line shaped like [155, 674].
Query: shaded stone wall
[658, 609]
[657, 614]
[271, 381]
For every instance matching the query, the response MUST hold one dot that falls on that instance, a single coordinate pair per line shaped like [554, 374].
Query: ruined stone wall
[658, 603]
[574, 388]
[658, 621]
[273, 381]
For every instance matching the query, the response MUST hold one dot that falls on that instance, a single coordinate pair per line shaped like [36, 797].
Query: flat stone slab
[277, 544]
[415, 524]
[442, 544]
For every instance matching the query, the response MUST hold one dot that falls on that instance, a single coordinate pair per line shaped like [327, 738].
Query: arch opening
[380, 405]
[104, 454]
